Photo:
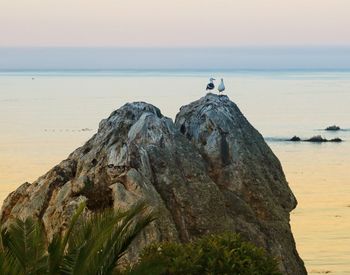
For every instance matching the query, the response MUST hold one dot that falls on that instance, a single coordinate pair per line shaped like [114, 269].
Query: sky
[176, 23]
[164, 34]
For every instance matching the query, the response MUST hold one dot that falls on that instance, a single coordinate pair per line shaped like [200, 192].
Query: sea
[45, 115]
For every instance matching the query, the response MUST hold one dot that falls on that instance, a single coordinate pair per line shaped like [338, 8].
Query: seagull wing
[210, 86]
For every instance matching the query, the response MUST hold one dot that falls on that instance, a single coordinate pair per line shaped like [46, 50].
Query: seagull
[211, 85]
[221, 87]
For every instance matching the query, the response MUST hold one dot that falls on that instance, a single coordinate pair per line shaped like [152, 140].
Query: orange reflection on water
[319, 176]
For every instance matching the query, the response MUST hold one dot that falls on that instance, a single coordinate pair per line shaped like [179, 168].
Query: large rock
[250, 177]
[209, 172]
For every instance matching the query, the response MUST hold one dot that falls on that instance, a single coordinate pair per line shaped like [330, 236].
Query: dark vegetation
[94, 245]
[89, 246]
[214, 254]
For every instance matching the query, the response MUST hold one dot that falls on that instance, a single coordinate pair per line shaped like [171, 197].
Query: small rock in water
[336, 140]
[295, 138]
[321, 271]
[321, 139]
[316, 139]
[333, 128]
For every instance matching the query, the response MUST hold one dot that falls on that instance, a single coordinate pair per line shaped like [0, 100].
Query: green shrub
[214, 254]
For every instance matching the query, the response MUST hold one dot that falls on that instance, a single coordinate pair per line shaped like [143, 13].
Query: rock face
[208, 172]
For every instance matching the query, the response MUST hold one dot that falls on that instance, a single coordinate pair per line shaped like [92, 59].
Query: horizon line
[177, 47]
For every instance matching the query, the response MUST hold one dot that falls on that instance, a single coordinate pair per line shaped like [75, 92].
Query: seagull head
[211, 79]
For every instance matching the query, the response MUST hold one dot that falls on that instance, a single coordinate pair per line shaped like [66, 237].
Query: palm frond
[23, 245]
[8, 264]
[122, 237]
[58, 245]
[90, 246]
[86, 240]
[98, 243]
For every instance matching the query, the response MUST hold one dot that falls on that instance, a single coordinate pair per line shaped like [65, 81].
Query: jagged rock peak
[129, 112]
[235, 151]
[208, 172]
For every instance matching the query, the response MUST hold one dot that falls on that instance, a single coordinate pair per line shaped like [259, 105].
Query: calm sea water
[44, 116]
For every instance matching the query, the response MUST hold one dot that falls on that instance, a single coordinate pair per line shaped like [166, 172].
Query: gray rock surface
[208, 172]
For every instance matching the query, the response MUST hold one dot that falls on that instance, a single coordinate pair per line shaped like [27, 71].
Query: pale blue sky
[173, 23]
[259, 58]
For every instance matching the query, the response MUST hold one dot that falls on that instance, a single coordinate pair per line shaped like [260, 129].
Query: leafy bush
[214, 254]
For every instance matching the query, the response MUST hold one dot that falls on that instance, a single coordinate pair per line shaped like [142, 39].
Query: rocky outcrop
[295, 138]
[208, 172]
[333, 128]
[321, 139]
[315, 139]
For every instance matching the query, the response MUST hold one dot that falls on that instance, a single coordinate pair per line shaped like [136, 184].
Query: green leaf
[23, 247]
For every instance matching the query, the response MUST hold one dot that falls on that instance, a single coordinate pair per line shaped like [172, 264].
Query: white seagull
[221, 87]
[211, 85]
